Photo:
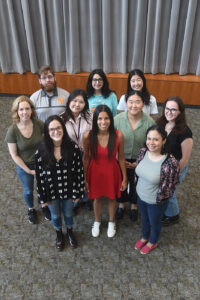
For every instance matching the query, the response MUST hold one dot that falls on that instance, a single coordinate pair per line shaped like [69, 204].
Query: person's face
[55, 131]
[24, 111]
[77, 105]
[136, 83]
[134, 105]
[154, 141]
[97, 82]
[171, 111]
[103, 121]
[47, 81]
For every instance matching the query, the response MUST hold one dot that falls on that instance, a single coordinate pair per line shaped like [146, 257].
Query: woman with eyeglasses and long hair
[137, 82]
[157, 175]
[78, 120]
[60, 178]
[23, 137]
[179, 136]
[98, 92]
[102, 145]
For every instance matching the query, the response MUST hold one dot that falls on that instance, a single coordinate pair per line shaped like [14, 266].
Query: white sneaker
[111, 229]
[96, 229]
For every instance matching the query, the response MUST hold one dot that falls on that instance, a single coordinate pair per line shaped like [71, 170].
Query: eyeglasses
[97, 80]
[59, 128]
[172, 110]
[47, 77]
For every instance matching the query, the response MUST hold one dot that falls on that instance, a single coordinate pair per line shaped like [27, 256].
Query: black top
[176, 140]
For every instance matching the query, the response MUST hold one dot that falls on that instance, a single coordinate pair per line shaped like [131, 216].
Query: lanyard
[79, 126]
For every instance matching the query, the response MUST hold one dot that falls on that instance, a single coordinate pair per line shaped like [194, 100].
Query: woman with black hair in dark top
[60, 178]
[137, 82]
[173, 119]
[98, 92]
[102, 172]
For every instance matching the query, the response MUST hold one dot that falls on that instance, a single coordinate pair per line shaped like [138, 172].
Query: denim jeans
[27, 181]
[151, 215]
[56, 207]
[172, 208]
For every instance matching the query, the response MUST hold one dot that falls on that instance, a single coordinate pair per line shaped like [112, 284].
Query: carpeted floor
[101, 268]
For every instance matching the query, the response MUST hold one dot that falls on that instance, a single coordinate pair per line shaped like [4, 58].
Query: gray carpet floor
[101, 268]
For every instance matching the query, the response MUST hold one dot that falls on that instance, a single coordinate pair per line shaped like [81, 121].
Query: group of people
[85, 146]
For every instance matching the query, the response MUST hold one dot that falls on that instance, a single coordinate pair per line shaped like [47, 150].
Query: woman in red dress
[103, 177]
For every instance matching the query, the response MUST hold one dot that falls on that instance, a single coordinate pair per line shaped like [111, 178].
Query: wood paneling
[160, 85]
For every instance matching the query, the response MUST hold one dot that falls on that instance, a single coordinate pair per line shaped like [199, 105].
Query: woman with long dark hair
[98, 91]
[137, 82]
[133, 123]
[157, 174]
[78, 120]
[102, 172]
[173, 119]
[60, 178]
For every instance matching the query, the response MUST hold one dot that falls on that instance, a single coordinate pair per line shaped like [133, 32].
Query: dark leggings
[131, 196]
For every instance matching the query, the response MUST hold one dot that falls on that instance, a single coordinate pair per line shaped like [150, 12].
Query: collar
[55, 93]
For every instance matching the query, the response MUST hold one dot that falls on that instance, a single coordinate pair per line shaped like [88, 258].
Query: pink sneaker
[139, 244]
[146, 249]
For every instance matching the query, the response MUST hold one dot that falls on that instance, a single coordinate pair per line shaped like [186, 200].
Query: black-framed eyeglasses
[97, 79]
[172, 110]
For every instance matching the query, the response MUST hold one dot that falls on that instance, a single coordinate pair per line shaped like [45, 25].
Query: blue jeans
[172, 208]
[27, 181]
[151, 215]
[56, 207]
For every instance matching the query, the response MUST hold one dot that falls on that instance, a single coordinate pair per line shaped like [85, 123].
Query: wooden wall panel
[160, 85]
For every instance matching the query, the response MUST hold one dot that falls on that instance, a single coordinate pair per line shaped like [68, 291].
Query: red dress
[104, 175]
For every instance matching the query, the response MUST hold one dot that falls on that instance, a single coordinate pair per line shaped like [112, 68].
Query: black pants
[131, 196]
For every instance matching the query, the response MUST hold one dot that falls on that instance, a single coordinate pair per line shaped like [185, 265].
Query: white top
[150, 109]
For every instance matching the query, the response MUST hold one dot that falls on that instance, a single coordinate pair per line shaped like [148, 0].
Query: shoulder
[147, 119]
[39, 123]
[11, 133]
[120, 116]
[35, 95]
[152, 99]
[113, 96]
[62, 92]
[187, 133]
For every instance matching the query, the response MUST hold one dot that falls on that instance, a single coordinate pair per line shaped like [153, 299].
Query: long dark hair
[180, 121]
[145, 93]
[68, 113]
[93, 136]
[105, 91]
[47, 147]
[161, 131]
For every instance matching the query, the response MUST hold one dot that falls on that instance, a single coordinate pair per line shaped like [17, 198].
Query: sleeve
[11, 136]
[77, 169]
[153, 105]
[122, 103]
[41, 191]
[187, 134]
[114, 104]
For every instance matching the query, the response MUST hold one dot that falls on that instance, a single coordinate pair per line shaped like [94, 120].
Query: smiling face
[154, 141]
[56, 132]
[171, 111]
[47, 81]
[136, 83]
[103, 121]
[77, 105]
[134, 105]
[24, 111]
[97, 83]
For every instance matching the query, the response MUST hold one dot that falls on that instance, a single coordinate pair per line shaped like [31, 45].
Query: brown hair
[45, 69]
[15, 107]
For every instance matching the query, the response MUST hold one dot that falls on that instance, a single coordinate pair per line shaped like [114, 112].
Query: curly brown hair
[15, 107]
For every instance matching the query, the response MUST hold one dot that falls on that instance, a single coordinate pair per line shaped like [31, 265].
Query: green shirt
[26, 147]
[133, 139]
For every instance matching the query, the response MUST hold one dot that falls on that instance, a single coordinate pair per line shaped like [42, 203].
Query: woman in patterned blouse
[60, 178]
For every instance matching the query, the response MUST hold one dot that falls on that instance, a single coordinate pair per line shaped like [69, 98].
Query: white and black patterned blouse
[64, 181]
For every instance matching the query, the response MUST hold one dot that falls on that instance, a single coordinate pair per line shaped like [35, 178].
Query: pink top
[77, 129]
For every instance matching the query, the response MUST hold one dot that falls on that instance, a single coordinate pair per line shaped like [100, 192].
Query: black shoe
[71, 238]
[167, 221]
[32, 216]
[46, 213]
[59, 240]
[119, 213]
[134, 215]
[88, 205]
[75, 210]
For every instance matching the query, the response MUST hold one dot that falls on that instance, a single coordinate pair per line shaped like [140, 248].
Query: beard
[49, 87]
